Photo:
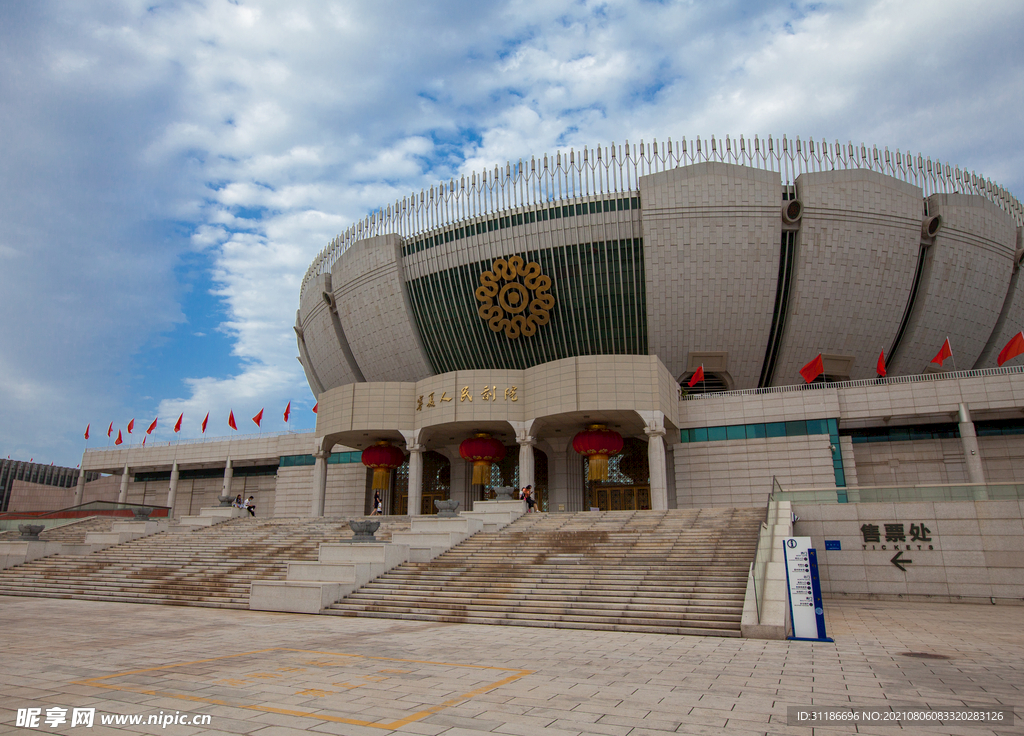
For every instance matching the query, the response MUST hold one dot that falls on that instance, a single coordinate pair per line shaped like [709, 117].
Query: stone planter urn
[363, 531]
[446, 509]
[503, 493]
[30, 531]
[225, 500]
[142, 514]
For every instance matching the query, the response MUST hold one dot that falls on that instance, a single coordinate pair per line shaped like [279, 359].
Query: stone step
[605, 624]
[676, 571]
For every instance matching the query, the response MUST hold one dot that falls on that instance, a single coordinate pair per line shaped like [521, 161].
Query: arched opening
[712, 383]
[506, 473]
[628, 487]
[437, 484]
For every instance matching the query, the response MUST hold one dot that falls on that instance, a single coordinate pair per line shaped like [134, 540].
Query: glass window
[634, 203]
[736, 432]
[700, 434]
[775, 429]
[716, 433]
[755, 431]
[796, 429]
[816, 426]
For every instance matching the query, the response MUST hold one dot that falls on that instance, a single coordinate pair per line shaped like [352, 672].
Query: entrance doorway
[437, 481]
[621, 498]
[628, 487]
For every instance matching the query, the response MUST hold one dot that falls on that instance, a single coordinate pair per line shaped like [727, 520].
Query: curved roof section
[606, 170]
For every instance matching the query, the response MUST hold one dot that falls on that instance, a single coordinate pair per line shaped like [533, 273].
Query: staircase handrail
[763, 549]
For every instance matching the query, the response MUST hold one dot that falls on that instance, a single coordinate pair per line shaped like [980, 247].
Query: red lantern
[383, 457]
[481, 449]
[597, 443]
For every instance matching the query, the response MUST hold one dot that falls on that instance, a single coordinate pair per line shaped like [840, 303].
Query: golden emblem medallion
[515, 297]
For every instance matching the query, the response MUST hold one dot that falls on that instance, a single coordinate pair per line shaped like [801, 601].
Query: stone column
[172, 492]
[415, 449]
[122, 497]
[656, 460]
[972, 456]
[80, 488]
[527, 467]
[526, 464]
[655, 431]
[228, 473]
[460, 478]
[319, 482]
[415, 479]
[566, 484]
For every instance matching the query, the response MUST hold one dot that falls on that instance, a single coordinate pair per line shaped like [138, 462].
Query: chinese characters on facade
[896, 534]
[489, 393]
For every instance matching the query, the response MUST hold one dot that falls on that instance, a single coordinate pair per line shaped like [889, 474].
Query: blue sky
[169, 170]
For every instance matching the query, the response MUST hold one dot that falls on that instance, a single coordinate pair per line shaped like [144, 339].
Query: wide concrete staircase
[675, 572]
[205, 566]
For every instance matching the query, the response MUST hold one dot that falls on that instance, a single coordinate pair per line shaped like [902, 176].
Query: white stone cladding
[910, 463]
[857, 251]
[977, 550]
[321, 339]
[712, 236]
[740, 472]
[1013, 319]
[963, 286]
[369, 290]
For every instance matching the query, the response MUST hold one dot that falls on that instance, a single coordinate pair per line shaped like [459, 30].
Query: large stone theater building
[522, 306]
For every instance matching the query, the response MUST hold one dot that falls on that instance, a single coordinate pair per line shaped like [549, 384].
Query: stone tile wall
[976, 554]
[963, 286]
[857, 251]
[740, 472]
[369, 290]
[712, 235]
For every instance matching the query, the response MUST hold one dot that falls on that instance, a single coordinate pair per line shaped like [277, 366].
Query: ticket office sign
[807, 612]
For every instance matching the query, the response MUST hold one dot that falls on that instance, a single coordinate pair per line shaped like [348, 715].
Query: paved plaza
[282, 674]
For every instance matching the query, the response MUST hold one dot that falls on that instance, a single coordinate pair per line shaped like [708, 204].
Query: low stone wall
[960, 551]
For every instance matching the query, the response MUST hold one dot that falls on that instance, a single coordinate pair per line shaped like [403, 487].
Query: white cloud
[249, 134]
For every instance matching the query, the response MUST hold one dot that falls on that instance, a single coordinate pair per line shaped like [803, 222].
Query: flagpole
[951, 354]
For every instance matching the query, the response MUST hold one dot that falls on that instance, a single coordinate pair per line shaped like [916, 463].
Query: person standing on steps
[378, 507]
[527, 494]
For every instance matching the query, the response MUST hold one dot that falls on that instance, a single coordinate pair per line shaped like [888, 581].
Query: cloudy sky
[169, 170]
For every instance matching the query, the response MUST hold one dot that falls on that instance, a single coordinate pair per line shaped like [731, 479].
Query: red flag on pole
[87, 430]
[231, 420]
[315, 406]
[1013, 348]
[813, 369]
[205, 420]
[177, 424]
[880, 368]
[110, 429]
[151, 427]
[144, 440]
[258, 418]
[697, 377]
[131, 425]
[287, 412]
[118, 441]
[944, 352]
